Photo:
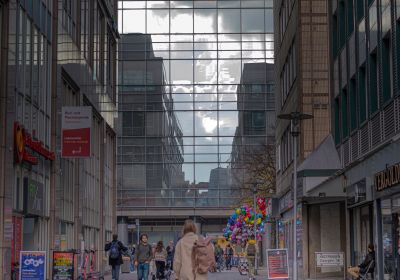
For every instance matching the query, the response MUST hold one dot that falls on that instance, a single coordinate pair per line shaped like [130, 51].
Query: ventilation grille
[376, 130]
[346, 153]
[389, 121]
[354, 146]
[364, 139]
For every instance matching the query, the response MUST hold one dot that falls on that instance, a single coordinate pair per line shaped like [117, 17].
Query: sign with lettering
[277, 264]
[388, 177]
[329, 259]
[24, 141]
[63, 265]
[33, 197]
[32, 265]
[75, 131]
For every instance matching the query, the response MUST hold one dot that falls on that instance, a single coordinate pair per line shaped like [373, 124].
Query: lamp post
[295, 118]
[255, 223]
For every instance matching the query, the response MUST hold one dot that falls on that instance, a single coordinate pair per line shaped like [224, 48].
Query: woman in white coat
[183, 267]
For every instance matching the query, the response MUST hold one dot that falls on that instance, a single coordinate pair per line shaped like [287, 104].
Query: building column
[122, 230]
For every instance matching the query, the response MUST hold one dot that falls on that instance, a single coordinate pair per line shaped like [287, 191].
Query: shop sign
[333, 259]
[16, 242]
[75, 131]
[23, 140]
[33, 197]
[32, 265]
[278, 264]
[63, 265]
[387, 178]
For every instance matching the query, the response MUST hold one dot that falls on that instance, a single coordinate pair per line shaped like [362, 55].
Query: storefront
[387, 193]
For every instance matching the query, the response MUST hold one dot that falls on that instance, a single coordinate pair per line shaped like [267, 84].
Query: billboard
[278, 264]
[63, 266]
[76, 127]
[32, 265]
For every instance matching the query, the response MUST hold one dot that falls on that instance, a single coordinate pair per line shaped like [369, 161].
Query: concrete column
[123, 231]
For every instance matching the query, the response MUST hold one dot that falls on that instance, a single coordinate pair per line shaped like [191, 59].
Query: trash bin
[126, 266]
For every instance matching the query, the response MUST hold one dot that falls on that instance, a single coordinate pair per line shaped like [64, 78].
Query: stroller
[368, 272]
[243, 266]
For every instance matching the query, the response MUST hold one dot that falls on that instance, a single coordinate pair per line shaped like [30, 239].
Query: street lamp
[295, 118]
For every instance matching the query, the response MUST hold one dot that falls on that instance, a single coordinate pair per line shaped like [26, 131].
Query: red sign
[75, 134]
[22, 140]
[16, 241]
[277, 263]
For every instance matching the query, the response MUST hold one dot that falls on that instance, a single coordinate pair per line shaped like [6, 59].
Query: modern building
[365, 84]
[57, 54]
[203, 47]
[302, 85]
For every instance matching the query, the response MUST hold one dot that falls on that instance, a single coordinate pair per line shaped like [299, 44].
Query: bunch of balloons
[240, 226]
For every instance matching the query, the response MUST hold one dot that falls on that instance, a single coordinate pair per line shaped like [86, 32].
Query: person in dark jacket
[115, 256]
[143, 257]
[366, 266]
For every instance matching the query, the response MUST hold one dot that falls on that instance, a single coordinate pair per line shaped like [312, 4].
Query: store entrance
[391, 237]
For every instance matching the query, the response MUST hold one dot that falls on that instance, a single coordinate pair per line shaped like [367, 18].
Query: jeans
[115, 272]
[143, 271]
[132, 265]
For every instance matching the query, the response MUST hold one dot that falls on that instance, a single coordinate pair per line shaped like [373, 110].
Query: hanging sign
[75, 131]
[278, 264]
[32, 265]
[63, 266]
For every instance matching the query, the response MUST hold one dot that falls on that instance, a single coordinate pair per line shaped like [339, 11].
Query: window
[362, 95]
[353, 104]
[344, 110]
[337, 121]
[258, 119]
[373, 87]
[360, 9]
[386, 70]
[350, 17]
[69, 17]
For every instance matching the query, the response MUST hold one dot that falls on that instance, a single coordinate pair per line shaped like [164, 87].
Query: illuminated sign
[22, 141]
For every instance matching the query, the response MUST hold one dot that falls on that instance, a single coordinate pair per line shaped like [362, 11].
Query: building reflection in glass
[181, 71]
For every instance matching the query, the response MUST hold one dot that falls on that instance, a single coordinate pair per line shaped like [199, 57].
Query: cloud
[209, 124]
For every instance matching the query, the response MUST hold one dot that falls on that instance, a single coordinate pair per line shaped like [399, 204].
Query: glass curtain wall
[181, 67]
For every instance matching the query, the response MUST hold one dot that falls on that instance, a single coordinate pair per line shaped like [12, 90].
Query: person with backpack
[115, 255]
[170, 255]
[251, 252]
[143, 257]
[228, 254]
[194, 255]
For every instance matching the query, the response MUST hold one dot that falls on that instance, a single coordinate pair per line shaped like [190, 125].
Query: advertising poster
[75, 131]
[63, 265]
[32, 265]
[277, 264]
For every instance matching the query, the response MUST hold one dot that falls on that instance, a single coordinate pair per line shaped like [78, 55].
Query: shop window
[361, 232]
[362, 95]
[373, 87]
[353, 105]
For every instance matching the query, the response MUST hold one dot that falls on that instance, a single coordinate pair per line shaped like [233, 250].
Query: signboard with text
[32, 265]
[75, 131]
[278, 264]
[63, 265]
[329, 259]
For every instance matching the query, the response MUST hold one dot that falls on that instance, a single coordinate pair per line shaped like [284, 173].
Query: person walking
[170, 255]
[143, 256]
[188, 264]
[251, 252]
[115, 255]
[228, 254]
[160, 257]
[367, 266]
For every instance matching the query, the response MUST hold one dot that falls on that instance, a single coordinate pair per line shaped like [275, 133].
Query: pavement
[226, 274]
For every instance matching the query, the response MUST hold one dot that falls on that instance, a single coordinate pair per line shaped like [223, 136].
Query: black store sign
[387, 178]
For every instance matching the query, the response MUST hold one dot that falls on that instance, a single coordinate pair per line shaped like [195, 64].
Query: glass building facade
[182, 67]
